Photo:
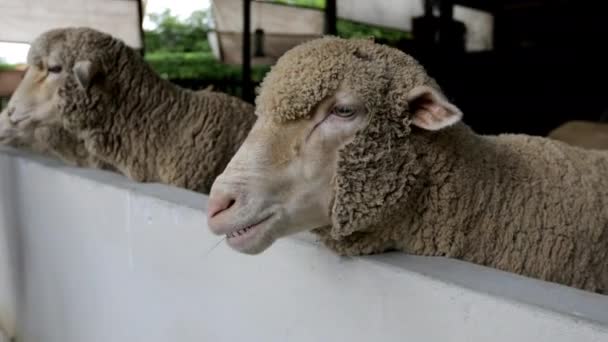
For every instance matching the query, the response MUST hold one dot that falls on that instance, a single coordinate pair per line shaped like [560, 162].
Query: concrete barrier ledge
[96, 257]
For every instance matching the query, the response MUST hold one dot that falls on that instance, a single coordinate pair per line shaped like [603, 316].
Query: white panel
[398, 14]
[388, 13]
[108, 260]
[284, 27]
[480, 28]
[274, 47]
[214, 44]
[24, 20]
[272, 18]
[297, 25]
[8, 264]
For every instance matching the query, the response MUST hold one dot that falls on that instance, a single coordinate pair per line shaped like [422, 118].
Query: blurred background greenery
[179, 50]
[5, 66]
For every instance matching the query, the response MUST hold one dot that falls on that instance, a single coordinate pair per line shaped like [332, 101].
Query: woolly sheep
[585, 134]
[355, 142]
[149, 129]
[53, 140]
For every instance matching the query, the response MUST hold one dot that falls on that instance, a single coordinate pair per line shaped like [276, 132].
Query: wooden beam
[331, 14]
[140, 14]
[247, 94]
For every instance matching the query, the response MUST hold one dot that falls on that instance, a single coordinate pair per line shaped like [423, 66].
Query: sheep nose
[219, 202]
[10, 111]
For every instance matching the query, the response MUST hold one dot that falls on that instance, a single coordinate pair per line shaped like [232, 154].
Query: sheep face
[36, 99]
[289, 170]
[330, 147]
[60, 71]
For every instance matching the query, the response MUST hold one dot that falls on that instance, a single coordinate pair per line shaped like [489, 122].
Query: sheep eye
[343, 111]
[54, 69]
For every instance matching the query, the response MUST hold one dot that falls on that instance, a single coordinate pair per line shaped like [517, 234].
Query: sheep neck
[448, 180]
[147, 114]
[443, 216]
[458, 202]
[494, 200]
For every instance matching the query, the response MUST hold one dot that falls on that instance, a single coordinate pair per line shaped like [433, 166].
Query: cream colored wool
[130, 118]
[518, 203]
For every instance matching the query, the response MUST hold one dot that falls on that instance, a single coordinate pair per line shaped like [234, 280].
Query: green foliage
[179, 50]
[351, 29]
[198, 65]
[304, 3]
[172, 34]
[5, 67]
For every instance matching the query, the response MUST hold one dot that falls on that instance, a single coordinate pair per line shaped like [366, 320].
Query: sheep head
[330, 148]
[63, 64]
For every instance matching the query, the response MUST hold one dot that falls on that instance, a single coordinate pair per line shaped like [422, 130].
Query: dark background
[548, 65]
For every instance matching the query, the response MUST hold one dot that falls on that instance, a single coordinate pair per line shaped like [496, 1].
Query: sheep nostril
[219, 203]
[11, 111]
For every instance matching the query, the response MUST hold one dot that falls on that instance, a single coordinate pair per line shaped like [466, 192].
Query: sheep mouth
[17, 119]
[239, 237]
[7, 134]
[20, 121]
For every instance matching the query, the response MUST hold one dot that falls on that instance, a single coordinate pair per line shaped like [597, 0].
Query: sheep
[52, 140]
[356, 142]
[585, 134]
[149, 129]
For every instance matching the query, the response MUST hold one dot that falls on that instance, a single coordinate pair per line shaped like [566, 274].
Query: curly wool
[148, 128]
[522, 204]
[293, 87]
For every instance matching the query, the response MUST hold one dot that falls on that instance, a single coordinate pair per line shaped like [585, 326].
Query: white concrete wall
[101, 259]
[8, 256]
[23, 20]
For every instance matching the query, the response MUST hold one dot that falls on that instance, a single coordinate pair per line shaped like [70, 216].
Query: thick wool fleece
[146, 127]
[53, 140]
[67, 147]
[585, 134]
[522, 204]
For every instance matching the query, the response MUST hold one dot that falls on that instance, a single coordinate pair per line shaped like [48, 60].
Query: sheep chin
[254, 242]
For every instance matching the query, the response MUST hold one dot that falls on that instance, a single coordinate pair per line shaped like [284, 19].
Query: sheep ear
[85, 72]
[431, 110]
